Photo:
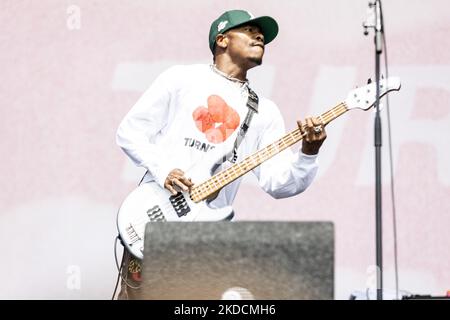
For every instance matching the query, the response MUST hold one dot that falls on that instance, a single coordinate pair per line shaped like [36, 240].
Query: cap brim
[268, 25]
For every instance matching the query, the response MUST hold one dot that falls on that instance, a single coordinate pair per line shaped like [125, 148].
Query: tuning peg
[381, 107]
[369, 81]
[366, 32]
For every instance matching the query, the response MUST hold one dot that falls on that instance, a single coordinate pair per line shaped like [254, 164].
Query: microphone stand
[375, 21]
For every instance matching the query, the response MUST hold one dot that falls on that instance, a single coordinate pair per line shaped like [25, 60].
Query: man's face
[246, 45]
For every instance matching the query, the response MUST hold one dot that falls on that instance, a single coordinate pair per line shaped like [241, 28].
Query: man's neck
[231, 69]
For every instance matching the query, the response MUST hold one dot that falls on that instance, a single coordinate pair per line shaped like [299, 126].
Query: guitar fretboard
[205, 189]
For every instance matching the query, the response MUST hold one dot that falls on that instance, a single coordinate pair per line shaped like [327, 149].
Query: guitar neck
[205, 189]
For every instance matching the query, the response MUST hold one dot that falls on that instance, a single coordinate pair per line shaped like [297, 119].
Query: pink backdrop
[72, 69]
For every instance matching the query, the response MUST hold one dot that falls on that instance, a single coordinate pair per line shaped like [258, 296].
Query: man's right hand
[176, 181]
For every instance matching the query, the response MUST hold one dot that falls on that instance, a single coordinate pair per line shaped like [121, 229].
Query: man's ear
[221, 41]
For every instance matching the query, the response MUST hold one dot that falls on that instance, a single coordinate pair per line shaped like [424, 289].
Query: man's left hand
[314, 135]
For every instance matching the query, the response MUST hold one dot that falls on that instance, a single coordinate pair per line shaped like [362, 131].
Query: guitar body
[149, 203]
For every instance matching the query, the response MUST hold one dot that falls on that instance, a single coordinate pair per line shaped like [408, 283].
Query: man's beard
[256, 60]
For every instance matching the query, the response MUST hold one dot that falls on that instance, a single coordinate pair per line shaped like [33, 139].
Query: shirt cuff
[161, 173]
[307, 158]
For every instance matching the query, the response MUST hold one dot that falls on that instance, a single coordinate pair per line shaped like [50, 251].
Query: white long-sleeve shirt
[180, 119]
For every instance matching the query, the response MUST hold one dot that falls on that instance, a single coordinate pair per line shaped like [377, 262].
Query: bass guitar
[149, 202]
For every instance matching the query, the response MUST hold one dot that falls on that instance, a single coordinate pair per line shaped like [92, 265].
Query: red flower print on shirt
[218, 121]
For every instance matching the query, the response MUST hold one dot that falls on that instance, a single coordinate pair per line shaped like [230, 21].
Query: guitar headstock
[365, 97]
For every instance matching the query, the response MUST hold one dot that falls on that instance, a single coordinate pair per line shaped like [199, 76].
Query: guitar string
[278, 145]
[201, 191]
[262, 155]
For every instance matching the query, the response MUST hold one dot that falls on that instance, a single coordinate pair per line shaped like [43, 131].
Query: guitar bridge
[132, 234]
[179, 204]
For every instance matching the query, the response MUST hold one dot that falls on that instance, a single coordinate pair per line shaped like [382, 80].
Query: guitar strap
[252, 104]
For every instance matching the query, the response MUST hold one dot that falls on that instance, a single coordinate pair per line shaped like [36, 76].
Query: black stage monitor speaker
[238, 260]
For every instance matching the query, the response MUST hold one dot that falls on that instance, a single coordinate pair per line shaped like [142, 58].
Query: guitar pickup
[179, 204]
[155, 214]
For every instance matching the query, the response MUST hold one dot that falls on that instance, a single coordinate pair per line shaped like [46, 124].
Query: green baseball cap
[235, 18]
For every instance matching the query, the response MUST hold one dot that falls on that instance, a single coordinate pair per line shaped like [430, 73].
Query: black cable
[391, 162]
[142, 179]
[119, 268]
